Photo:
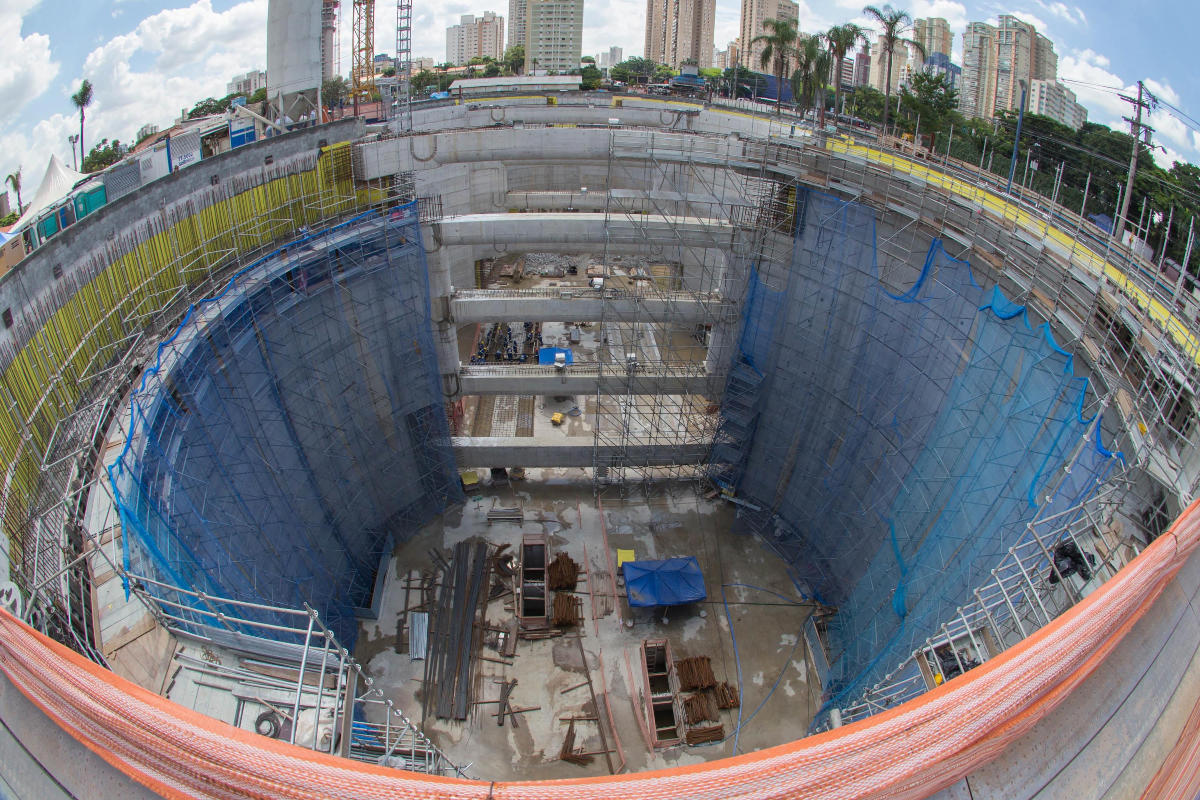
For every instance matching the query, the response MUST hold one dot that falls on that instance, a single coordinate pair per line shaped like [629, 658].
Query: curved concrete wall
[1110, 734]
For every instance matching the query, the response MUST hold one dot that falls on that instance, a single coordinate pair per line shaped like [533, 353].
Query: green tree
[588, 60]
[209, 106]
[14, 180]
[894, 24]
[335, 91]
[743, 82]
[931, 99]
[514, 59]
[422, 81]
[103, 155]
[842, 40]
[779, 47]
[867, 103]
[259, 96]
[663, 73]
[633, 70]
[591, 78]
[81, 100]
[808, 80]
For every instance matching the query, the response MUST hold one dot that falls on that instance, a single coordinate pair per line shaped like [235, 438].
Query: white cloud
[28, 67]
[1087, 73]
[1073, 15]
[181, 55]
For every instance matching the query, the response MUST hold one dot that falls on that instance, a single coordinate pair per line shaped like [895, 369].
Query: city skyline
[149, 59]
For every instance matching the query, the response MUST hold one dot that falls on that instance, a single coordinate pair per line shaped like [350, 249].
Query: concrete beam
[560, 451]
[566, 232]
[587, 305]
[585, 379]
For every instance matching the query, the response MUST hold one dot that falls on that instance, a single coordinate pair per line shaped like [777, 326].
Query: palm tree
[812, 69]
[779, 47]
[82, 99]
[895, 24]
[842, 39]
[14, 179]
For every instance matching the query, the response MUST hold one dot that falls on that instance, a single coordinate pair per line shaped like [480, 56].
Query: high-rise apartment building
[933, 34]
[977, 95]
[609, 57]
[553, 35]
[247, 84]
[940, 64]
[879, 78]
[1052, 99]
[754, 13]
[517, 10]
[679, 31]
[475, 37]
[862, 66]
[997, 59]
[1045, 60]
[847, 71]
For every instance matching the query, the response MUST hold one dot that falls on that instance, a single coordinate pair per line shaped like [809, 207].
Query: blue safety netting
[292, 428]
[895, 439]
[665, 582]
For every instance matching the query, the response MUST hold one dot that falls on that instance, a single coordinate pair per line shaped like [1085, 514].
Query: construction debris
[563, 573]
[506, 688]
[727, 696]
[695, 673]
[713, 733]
[452, 641]
[568, 610]
[567, 751]
[700, 707]
[514, 514]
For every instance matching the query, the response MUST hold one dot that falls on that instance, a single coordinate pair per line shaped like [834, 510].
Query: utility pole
[1135, 130]
[1012, 163]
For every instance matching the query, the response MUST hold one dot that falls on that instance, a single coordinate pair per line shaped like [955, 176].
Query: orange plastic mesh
[907, 752]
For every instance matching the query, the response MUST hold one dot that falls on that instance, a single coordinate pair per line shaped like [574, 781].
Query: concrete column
[445, 332]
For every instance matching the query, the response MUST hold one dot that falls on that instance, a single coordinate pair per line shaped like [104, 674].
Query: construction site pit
[610, 688]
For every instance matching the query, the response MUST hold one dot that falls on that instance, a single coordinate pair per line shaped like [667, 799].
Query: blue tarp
[670, 582]
[546, 355]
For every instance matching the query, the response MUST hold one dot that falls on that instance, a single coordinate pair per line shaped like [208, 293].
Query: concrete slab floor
[778, 687]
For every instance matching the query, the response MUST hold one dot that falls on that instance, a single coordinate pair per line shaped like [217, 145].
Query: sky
[150, 59]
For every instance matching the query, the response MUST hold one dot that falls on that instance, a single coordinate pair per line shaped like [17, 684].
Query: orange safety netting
[906, 752]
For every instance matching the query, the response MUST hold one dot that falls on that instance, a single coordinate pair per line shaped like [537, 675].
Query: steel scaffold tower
[682, 212]
[404, 62]
[362, 70]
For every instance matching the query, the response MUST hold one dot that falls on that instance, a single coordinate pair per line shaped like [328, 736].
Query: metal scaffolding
[79, 349]
[292, 427]
[701, 256]
[331, 694]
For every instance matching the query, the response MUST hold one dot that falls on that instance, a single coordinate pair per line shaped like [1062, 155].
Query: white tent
[56, 184]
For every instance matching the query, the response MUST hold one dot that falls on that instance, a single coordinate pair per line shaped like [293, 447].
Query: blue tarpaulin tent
[546, 355]
[670, 582]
